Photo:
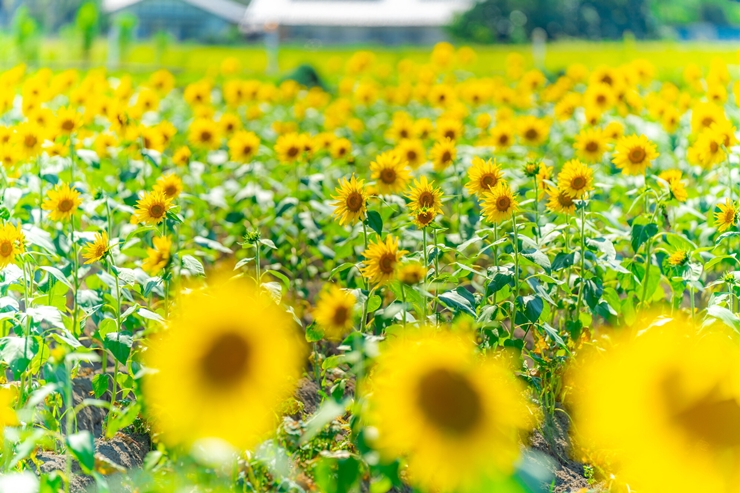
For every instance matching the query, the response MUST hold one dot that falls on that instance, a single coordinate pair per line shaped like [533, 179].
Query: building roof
[352, 13]
[226, 9]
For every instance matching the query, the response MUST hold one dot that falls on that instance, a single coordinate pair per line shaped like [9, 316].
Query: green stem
[436, 276]
[646, 279]
[75, 274]
[582, 271]
[537, 231]
[27, 332]
[257, 267]
[495, 255]
[366, 281]
[403, 300]
[424, 284]
[69, 420]
[119, 328]
[516, 274]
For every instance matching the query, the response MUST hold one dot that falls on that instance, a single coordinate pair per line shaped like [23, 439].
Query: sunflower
[412, 151]
[543, 176]
[614, 130]
[68, 120]
[576, 179]
[243, 146]
[411, 273]
[340, 148]
[7, 408]
[12, 243]
[424, 217]
[664, 401]
[499, 203]
[334, 311]
[381, 260]
[28, 139]
[483, 175]
[454, 416]
[726, 216]
[390, 172]
[599, 96]
[402, 127]
[229, 123]
[502, 136]
[424, 195]
[532, 130]
[158, 258]
[170, 185]
[679, 257]
[204, 133]
[590, 144]
[704, 115]
[634, 154]
[443, 154]
[152, 207]
[351, 201]
[182, 155]
[61, 201]
[709, 148]
[449, 128]
[289, 147]
[560, 201]
[97, 249]
[233, 351]
[675, 185]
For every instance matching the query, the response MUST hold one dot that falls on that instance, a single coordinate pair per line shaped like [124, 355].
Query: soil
[121, 453]
[553, 440]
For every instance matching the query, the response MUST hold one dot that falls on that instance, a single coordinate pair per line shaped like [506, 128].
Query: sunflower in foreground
[390, 172]
[158, 257]
[334, 312]
[223, 367]
[61, 201]
[97, 249]
[381, 260]
[667, 400]
[499, 203]
[351, 201]
[483, 175]
[454, 416]
[634, 154]
[576, 179]
[726, 216]
[152, 208]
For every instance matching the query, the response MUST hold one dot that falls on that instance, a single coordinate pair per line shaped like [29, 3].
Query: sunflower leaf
[375, 222]
[193, 265]
[82, 446]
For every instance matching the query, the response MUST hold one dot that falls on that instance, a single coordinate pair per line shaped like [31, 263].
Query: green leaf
[58, 275]
[563, 260]
[100, 384]
[374, 303]
[499, 281]
[592, 291]
[725, 316]
[193, 265]
[537, 257]
[642, 233]
[553, 333]
[532, 309]
[211, 244]
[119, 343]
[82, 446]
[458, 301]
[118, 420]
[314, 333]
[375, 221]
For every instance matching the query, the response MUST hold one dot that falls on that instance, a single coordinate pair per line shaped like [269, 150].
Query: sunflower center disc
[579, 182]
[6, 248]
[637, 155]
[386, 263]
[449, 401]
[65, 205]
[488, 181]
[503, 203]
[592, 146]
[426, 199]
[446, 157]
[340, 316]
[388, 176]
[354, 202]
[157, 210]
[531, 134]
[225, 362]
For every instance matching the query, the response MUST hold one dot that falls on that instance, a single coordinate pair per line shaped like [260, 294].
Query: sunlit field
[443, 271]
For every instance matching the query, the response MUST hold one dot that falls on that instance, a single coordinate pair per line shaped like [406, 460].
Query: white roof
[226, 9]
[375, 13]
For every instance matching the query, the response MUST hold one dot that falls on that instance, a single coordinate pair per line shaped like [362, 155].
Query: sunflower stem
[537, 231]
[495, 255]
[72, 156]
[118, 339]
[582, 270]
[27, 331]
[516, 274]
[366, 281]
[424, 284]
[436, 275]
[458, 202]
[403, 300]
[75, 274]
[69, 415]
[257, 264]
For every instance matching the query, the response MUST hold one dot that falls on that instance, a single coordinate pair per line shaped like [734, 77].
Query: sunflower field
[414, 278]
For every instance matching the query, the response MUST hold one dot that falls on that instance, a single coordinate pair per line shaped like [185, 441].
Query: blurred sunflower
[28, 138]
[334, 312]
[12, 243]
[61, 201]
[412, 151]
[483, 175]
[412, 273]
[351, 201]
[390, 172]
[499, 203]
[424, 195]
[455, 417]
[381, 260]
[96, 249]
[679, 257]
[182, 155]
[449, 128]
[443, 154]
[532, 130]
[590, 144]
[158, 258]
[152, 208]
[289, 147]
[502, 136]
[576, 179]
[8, 396]
[340, 148]
[170, 185]
[709, 148]
[68, 120]
[243, 146]
[675, 186]
[204, 133]
[634, 154]
[664, 401]
[233, 351]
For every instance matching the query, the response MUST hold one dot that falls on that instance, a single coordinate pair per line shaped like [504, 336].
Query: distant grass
[193, 61]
